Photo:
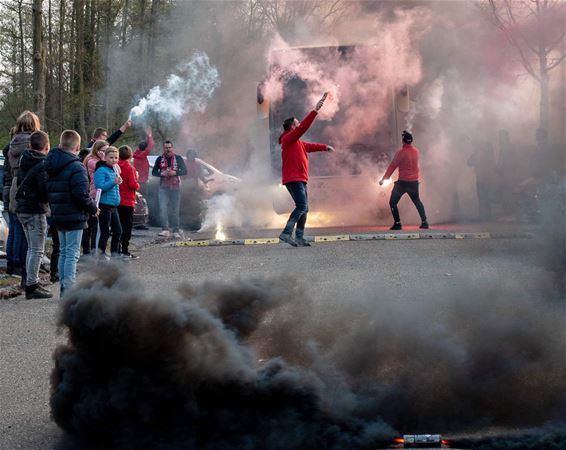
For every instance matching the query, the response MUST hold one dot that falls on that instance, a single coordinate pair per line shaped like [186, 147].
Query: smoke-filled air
[256, 364]
[439, 69]
[266, 363]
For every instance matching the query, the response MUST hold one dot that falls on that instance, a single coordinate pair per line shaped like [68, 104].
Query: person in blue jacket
[106, 180]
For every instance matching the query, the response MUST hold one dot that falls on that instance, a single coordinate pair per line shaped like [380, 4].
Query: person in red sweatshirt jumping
[295, 172]
[407, 160]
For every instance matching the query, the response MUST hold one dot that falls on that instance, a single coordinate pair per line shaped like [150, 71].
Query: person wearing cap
[407, 161]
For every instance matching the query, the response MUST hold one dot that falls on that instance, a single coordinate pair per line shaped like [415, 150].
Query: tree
[38, 60]
[535, 28]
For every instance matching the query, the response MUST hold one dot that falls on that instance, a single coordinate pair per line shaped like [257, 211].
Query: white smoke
[186, 91]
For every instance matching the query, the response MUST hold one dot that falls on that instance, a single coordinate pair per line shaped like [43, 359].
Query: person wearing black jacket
[16, 243]
[101, 134]
[69, 200]
[32, 208]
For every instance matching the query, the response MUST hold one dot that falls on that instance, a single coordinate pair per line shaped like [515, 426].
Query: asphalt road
[414, 271]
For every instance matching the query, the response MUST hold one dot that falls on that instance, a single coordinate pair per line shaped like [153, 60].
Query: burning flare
[220, 235]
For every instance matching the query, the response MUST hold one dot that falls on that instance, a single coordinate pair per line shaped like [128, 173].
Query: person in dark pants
[295, 173]
[483, 163]
[407, 160]
[128, 189]
[107, 179]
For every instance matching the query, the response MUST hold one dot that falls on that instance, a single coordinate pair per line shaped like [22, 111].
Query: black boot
[301, 242]
[396, 226]
[35, 291]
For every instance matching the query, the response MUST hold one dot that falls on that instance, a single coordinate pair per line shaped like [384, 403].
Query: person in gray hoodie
[32, 208]
[26, 124]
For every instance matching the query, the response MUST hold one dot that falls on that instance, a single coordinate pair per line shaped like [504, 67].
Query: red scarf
[169, 182]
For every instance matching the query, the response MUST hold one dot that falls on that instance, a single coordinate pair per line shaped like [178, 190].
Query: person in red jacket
[128, 189]
[295, 172]
[141, 164]
[407, 160]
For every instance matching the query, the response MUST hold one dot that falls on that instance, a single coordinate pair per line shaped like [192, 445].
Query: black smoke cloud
[258, 364]
[164, 372]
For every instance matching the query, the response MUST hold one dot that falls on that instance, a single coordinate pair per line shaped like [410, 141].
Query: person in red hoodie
[141, 164]
[295, 172]
[407, 160]
[128, 189]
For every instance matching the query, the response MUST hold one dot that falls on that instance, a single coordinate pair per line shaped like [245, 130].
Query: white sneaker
[164, 233]
[177, 235]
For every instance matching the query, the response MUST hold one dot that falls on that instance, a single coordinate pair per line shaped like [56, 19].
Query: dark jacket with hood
[67, 190]
[31, 195]
[19, 143]
[7, 178]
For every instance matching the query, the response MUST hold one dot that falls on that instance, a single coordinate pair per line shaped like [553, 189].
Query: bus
[348, 179]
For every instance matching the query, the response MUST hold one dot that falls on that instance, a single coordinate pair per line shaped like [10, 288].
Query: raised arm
[116, 135]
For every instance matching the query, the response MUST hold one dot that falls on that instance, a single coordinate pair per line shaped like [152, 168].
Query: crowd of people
[81, 197]
[513, 179]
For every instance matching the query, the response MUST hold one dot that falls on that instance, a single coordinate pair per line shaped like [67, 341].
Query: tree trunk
[124, 25]
[544, 99]
[153, 19]
[61, 85]
[22, 49]
[79, 61]
[142, 74]
[108, 34]
[38, 60]
[49, 70]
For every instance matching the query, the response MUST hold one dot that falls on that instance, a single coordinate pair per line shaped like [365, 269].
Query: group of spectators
[513, 177]
[83, 198]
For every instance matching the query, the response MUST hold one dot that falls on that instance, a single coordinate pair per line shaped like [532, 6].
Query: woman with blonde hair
[96, 154]
[26, 124]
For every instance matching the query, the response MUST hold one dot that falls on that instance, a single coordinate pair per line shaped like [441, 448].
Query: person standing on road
[90, 234]
[295, 172]
[32, 208]
[69, 201]
[141, 164]
[169, 167]
[107, 179]
[128, 189]
[483, 163]
[407, 160]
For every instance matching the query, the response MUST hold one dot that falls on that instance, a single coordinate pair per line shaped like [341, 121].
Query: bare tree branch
[556, 63]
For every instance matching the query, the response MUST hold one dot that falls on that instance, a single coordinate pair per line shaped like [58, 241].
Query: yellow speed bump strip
[339, 237]
[204, 243]
[261, 241]
[472, 236]
[402, 236]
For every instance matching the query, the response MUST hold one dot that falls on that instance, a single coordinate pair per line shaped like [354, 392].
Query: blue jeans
[16, 245]
[169, 205]
[35, 229]
[298, 191]
[70, 242]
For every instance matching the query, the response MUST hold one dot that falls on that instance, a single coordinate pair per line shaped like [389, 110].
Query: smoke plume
[258, 364]
[186, 91]
[169, 373]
